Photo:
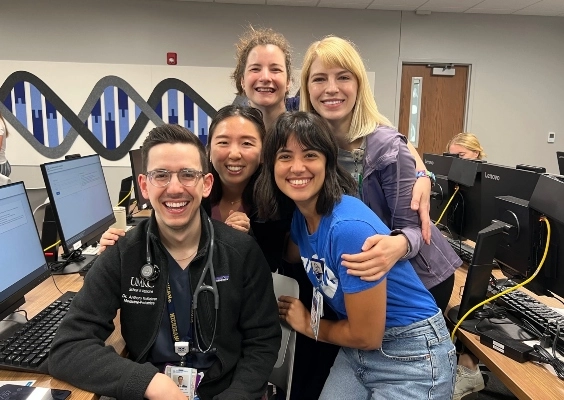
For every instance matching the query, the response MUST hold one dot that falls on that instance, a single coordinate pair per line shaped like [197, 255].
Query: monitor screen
[22, 264]
[79, 199]
[136, 170]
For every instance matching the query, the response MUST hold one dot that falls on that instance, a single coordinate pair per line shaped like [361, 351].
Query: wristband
[425, 174]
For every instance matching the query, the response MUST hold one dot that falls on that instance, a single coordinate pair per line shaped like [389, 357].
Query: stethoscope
[151, 272]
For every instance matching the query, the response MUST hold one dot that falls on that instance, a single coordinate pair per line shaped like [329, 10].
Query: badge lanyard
[317, 300]
[358, 156]
[173, 320]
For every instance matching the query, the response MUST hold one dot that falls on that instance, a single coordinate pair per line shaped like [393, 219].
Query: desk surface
[526, 380]
[36, 300]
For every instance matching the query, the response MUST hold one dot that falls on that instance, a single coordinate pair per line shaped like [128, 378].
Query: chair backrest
[36, 196]
[281, 375]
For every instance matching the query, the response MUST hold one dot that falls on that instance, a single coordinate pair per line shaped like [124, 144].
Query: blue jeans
[417, 361]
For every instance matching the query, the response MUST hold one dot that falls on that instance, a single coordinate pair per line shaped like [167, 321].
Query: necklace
[186, 258]
[233, 202]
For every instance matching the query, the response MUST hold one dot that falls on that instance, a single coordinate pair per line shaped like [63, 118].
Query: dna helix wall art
[111, 120]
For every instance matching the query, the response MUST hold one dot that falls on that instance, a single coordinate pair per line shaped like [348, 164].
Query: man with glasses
[191, 293]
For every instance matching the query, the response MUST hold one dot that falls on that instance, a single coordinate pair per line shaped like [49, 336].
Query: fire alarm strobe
[171, 58]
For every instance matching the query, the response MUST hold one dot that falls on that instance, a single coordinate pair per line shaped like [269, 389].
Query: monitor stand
[74, 267]
[13, 322]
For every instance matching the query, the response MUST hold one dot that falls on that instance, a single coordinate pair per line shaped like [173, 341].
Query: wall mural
[111, 119]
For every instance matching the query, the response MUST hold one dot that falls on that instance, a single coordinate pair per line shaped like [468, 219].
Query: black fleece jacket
[248, 330]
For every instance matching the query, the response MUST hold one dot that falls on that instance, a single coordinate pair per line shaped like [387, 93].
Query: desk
[37, 300]
[526, 380]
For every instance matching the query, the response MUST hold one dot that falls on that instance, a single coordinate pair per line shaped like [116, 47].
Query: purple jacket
[389, 176]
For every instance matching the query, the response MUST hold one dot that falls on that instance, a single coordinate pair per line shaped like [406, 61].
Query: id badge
[316, 310]
[317, 267]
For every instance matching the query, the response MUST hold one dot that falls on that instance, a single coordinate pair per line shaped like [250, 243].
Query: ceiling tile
[344, 3]
[263, 2]
[293, 3]
[505, 4]
[554, 6]
[449, 5]
[475, 10]
[409, 5]
[398, 3]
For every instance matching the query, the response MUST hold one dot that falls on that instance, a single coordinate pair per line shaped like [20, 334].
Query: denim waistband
[435, 323]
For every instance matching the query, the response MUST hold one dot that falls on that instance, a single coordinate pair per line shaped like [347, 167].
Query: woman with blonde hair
[467, 146]
[335, 85]
[5, 168]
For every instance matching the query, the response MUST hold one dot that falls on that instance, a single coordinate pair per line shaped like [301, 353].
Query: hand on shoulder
[109, 238]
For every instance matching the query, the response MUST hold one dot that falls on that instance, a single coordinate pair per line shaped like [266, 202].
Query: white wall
[515, 92]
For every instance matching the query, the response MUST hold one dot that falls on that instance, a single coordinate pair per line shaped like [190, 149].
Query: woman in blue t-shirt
[393, 338]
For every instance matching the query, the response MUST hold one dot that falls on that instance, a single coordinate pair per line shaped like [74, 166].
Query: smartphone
[60, 394]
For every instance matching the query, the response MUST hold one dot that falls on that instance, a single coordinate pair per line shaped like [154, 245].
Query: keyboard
[464, 250]
[27, 348]
[525, 307]
[84, 270]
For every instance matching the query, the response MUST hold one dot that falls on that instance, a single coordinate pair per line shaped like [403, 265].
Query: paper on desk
[21, 383]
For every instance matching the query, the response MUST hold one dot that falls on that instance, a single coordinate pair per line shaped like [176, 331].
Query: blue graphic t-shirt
[344, 232]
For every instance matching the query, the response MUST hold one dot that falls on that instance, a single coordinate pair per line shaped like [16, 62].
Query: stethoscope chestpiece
[150, 272]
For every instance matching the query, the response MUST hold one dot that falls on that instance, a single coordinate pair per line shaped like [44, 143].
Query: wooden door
[442, 107]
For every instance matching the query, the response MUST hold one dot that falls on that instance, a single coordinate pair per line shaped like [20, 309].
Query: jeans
[417, 361]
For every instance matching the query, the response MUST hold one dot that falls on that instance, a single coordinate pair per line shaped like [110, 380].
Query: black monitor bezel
[560, 160]
[142, 202]
[12, 300]
[95, 231]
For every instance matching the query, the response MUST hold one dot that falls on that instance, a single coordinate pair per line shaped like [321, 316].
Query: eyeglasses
[186, 176]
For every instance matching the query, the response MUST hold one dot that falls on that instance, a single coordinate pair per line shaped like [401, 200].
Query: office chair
[281, 375]
[36, 196]
[4, 180]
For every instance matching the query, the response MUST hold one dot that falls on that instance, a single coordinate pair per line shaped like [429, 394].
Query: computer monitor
[79, 200]
[124, 196]
[464, 215]
[547, 200]
[440, 166]
[136, 170]
[560, 158]
[22, 265]
[506, 192]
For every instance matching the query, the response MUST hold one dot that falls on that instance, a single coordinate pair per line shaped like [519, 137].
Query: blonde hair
[468, 141]
[334, 51]
[258, 37]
